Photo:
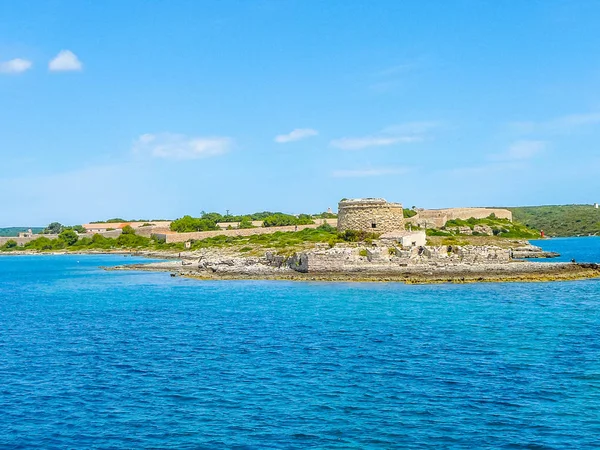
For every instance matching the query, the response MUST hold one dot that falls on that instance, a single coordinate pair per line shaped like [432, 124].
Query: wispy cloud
[65, 61]
[295, 135]
[359, 173]
[181, 147]
[15, 66]
[564, 124]
[520, 151]
[360, 143]
[405, 133]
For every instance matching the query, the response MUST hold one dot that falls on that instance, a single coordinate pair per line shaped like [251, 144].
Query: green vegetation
[53, 228]
[14, 231]
[560, 220]
[58, 228]
[500, 227]
[409, 213]
[69, 240]
[282, 220]
[285, 243]
[325, 215]
[246, 222]
[188, 224]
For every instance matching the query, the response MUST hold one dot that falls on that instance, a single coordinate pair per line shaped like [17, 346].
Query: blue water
[582, 249]
[140, 360]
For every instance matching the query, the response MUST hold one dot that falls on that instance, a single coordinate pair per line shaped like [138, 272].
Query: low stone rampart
[21, 241]
[437, 218]
[170, 237]
[390, 259]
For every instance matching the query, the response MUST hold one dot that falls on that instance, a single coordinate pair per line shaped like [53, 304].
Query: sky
[152, 110]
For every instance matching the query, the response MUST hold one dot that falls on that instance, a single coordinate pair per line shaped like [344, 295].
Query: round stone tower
[373, 215]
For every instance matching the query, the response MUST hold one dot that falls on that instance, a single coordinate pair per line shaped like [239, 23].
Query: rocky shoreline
[379, 263]
[427, 265]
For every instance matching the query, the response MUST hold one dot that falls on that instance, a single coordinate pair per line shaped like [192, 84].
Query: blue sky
[144, 109]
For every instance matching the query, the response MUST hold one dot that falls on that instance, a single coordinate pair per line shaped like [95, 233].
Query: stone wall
[24, 240]
[370, 214]
[183, 237]
[437, 218]
[391, 259]
[259, 223]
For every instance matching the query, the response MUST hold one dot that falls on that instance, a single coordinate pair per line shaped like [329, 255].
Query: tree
[69, 237]
[128, 229]
[54, 228]
[10, 244]
[246, 222]
[78, 229]
[188, 224]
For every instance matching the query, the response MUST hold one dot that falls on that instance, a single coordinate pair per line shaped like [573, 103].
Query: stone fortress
[376, 215]
[373, 215]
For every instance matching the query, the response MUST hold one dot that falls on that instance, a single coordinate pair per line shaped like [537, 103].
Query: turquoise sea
[95, 359]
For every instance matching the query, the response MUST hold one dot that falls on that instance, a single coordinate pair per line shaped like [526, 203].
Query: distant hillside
[560, 220]
[14, 231]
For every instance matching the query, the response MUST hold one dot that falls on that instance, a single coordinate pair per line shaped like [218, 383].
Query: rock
[532, 251]
[483, 229]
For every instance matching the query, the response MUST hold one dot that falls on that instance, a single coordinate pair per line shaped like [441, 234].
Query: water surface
[126, 360]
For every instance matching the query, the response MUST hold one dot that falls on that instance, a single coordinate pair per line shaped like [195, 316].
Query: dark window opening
[373, 225]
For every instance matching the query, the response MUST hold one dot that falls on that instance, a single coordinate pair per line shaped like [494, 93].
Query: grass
[503, 228]
[285, 243]
[560, 220]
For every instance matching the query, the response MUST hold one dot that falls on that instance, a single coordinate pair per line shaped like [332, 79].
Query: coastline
[222, 265]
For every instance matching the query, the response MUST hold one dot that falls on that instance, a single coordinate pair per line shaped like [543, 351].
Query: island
[369, 239]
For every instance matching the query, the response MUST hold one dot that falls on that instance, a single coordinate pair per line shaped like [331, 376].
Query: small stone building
[373, 215]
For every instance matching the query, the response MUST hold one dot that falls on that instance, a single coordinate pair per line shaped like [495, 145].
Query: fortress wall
[362, 214]
[24, 240]
[259, 223]
[438, 217]
[477, 213]
[183, 237]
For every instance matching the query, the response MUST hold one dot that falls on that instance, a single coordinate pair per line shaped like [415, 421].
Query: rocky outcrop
[531, 251]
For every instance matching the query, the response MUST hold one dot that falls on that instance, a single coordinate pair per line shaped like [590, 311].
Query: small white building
[406, 239]
[26, 234]
[596, 205]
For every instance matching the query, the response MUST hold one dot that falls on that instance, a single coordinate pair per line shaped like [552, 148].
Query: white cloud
[65, 61]
[181, 147]
[295, 135]
[405, 133]
[369, 172]
[520, 150]
[371, 141]
[14, 66]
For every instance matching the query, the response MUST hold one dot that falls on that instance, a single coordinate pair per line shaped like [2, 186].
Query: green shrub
[282, 220]
[363, 252]
[9, 245]
[188, 224]
[357, 236]
[69, 237]
[246, 222]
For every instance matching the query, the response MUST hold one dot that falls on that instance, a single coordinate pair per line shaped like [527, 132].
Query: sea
[97, 359]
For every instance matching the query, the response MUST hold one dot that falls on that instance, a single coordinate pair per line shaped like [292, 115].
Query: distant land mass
[14, 231]
[560, 220]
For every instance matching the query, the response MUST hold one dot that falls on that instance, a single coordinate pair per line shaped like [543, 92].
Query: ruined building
[370, 214]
